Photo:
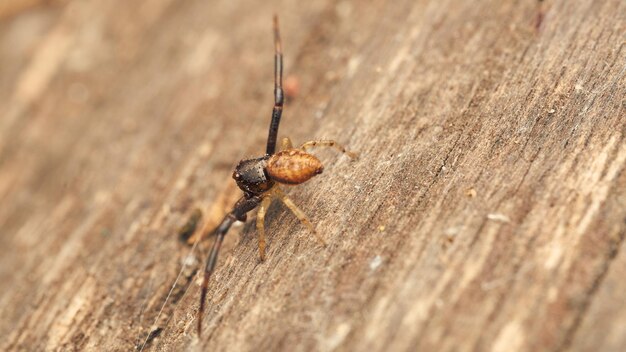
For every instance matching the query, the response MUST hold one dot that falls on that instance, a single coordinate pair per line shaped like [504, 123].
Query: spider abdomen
[293, 166]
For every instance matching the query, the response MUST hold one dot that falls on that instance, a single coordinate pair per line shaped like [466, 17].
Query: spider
[259, 178]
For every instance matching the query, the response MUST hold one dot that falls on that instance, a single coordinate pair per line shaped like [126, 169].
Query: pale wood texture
[487, 211]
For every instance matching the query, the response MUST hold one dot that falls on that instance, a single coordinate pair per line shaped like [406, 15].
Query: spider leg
[286, 144]
[278, 91]
[328, 143]
[260, 224]
[298, 213]
[239, 211]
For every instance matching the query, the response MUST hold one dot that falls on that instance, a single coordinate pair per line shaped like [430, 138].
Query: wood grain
[487, 211]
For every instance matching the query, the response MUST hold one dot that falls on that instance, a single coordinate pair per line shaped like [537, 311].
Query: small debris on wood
[154, 333]
[376, 262]
[190, 265]
[291, 86]
[450, 235]
[498, 217]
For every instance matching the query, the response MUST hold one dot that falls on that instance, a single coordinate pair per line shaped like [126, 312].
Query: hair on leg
[328, 143]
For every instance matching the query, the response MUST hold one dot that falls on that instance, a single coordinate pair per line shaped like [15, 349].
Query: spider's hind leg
[298, 213]
[328, 143]
[260, 224]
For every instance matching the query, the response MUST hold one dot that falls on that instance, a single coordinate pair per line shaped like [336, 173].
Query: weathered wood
[487, 210]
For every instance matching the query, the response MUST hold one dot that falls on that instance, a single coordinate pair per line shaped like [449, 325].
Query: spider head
[250, 176]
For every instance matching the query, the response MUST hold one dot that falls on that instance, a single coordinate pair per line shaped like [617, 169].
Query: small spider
[258, 178]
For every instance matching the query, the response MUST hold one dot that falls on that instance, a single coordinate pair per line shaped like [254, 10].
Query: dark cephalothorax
[251, 176]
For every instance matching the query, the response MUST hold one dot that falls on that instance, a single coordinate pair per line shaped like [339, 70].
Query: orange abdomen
[293, 166]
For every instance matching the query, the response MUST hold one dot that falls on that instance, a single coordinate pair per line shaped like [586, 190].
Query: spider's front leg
[241, 208]
[279, 98]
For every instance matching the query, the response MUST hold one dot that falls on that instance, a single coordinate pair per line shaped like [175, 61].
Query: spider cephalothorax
[251, 176]
[259, 178]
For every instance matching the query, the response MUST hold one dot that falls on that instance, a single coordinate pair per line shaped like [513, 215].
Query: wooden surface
[487, 211]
